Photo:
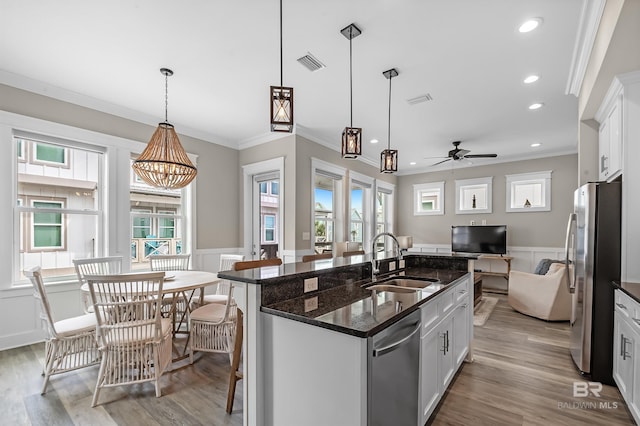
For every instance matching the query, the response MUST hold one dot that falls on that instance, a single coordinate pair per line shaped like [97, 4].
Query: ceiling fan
[458, 154]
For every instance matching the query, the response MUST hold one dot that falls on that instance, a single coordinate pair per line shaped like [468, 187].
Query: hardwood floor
[523, 374]
[190, 395]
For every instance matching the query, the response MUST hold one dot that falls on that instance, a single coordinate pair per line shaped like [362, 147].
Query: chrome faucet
[374, 262]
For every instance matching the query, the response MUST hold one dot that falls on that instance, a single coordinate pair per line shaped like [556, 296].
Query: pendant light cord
[389, 131]
[280, 43]
[350, 77]
[166, 97]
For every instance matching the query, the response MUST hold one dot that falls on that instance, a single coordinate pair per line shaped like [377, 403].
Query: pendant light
[351, 136]
[389, 157]
[281, 99]
[164, 163]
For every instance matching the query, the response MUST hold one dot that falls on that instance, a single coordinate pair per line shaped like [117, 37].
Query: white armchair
[542, 296]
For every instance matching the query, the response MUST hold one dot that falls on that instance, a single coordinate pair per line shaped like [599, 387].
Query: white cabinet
[447, 325]
[610, 139]
[626, 355]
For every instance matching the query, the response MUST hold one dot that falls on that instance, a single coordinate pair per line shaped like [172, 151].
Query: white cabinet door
[446, 365]
[460, 333]
[615, 139]
[432, 347]
[622, 356]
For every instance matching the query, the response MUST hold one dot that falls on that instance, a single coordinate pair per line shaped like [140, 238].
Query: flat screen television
[486, 239]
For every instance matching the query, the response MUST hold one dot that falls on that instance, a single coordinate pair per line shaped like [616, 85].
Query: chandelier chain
[389, 131]
[166, 97]
[350, 77]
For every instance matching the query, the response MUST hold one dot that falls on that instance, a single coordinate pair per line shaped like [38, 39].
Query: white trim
[533, 177]
[44, 89]
[248, 172]
[434, 186]
[461, 183]
[615, 89]
[588, 25]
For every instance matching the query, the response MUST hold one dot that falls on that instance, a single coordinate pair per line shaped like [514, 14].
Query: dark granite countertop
[632, 289]
[353, 310]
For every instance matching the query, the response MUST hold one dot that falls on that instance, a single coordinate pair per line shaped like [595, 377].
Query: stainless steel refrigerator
[593, 251]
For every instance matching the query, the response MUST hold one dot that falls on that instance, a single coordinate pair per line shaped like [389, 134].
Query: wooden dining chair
[135, 341]
[95, 266]
[313, 257]
[235, 374]
[70, 344]
[251, 264]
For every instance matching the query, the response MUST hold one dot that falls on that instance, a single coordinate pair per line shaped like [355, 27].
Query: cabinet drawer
[446, 302]
[461, 291]
[430, 316]
[624, 304]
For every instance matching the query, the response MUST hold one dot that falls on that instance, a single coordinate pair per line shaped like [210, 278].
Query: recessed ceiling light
[537, 105]
[531, 79]
[535, 145]
[374, 141]
[530, 25]
[413, 163]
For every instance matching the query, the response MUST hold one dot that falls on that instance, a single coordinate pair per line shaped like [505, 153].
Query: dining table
[181, 287]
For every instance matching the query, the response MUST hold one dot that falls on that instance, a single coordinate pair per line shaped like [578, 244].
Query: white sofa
[542, 296]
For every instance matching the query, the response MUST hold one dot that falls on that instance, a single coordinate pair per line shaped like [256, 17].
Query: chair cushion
[76, 325]
[216, 298]
[142, 334]
[543, 266]
[213, 312]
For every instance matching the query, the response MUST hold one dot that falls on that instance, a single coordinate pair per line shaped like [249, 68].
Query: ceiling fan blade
[481, 156]
[440, 162]
[431, 158]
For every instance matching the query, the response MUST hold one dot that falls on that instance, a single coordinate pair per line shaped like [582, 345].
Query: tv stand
[490, 257]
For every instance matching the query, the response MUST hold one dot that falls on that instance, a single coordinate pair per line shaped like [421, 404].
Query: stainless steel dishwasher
[393, 368]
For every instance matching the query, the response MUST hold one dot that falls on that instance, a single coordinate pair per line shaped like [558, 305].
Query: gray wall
[532, 229]
[217, 185]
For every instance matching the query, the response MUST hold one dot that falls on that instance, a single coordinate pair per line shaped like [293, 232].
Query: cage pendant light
[281, 99]
[164, 163]
[389, 157]
[351, 136]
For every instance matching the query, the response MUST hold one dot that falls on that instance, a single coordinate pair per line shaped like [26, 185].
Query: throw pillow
[543, 266]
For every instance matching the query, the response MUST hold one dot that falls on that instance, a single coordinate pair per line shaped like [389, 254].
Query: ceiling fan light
[351, 142]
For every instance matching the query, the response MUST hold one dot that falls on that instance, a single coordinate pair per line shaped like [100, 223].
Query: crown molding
[64, 95]
[587, 30]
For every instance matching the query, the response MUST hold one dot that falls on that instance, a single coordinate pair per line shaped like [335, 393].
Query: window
[59, 218]
[529, 192]
[269, 228]
[46, 228]
[274, 188]
[263, 187]
[51, 154]
[473, 195]
[428, 198]
[327, 205]
[20, 148]
[361, 217]
[156, 221]
[384, 211]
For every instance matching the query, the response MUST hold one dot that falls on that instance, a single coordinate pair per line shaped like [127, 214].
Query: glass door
[266, 216]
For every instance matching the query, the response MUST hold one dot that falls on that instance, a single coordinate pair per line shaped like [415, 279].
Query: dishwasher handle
[395, 345]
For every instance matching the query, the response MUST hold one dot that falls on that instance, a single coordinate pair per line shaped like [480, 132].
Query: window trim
[339, 174]
[419, 188]
[31, 227]
[461, 185]
[274, 229]
[513, 180]
[33, 148]
[368, 207]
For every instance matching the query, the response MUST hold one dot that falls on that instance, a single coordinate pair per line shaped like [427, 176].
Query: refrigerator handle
[569, 270]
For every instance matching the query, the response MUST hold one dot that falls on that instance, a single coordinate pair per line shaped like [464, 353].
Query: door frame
[249, 171]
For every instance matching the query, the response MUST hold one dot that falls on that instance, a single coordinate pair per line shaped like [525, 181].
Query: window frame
[338, 174]
[273, 229]
[366, 184]
[32, 223]
[429, 187]
[513, 180]
[33, 147]
[462, 185]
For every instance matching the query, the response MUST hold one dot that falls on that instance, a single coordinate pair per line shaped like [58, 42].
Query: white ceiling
[467, 54]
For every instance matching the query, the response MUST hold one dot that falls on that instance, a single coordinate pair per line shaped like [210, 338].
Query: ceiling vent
[311, 62]
[420, 99]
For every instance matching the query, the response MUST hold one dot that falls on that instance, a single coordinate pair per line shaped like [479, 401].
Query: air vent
[420, 99]
[311, 62]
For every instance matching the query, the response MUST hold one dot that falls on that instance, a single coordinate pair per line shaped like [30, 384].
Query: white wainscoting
[524, 259]
[20, 312]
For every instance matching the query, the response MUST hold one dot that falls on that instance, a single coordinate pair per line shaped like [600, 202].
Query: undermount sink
[392, 288]
[411, 282]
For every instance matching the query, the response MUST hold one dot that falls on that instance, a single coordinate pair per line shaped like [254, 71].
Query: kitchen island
[307, 355]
